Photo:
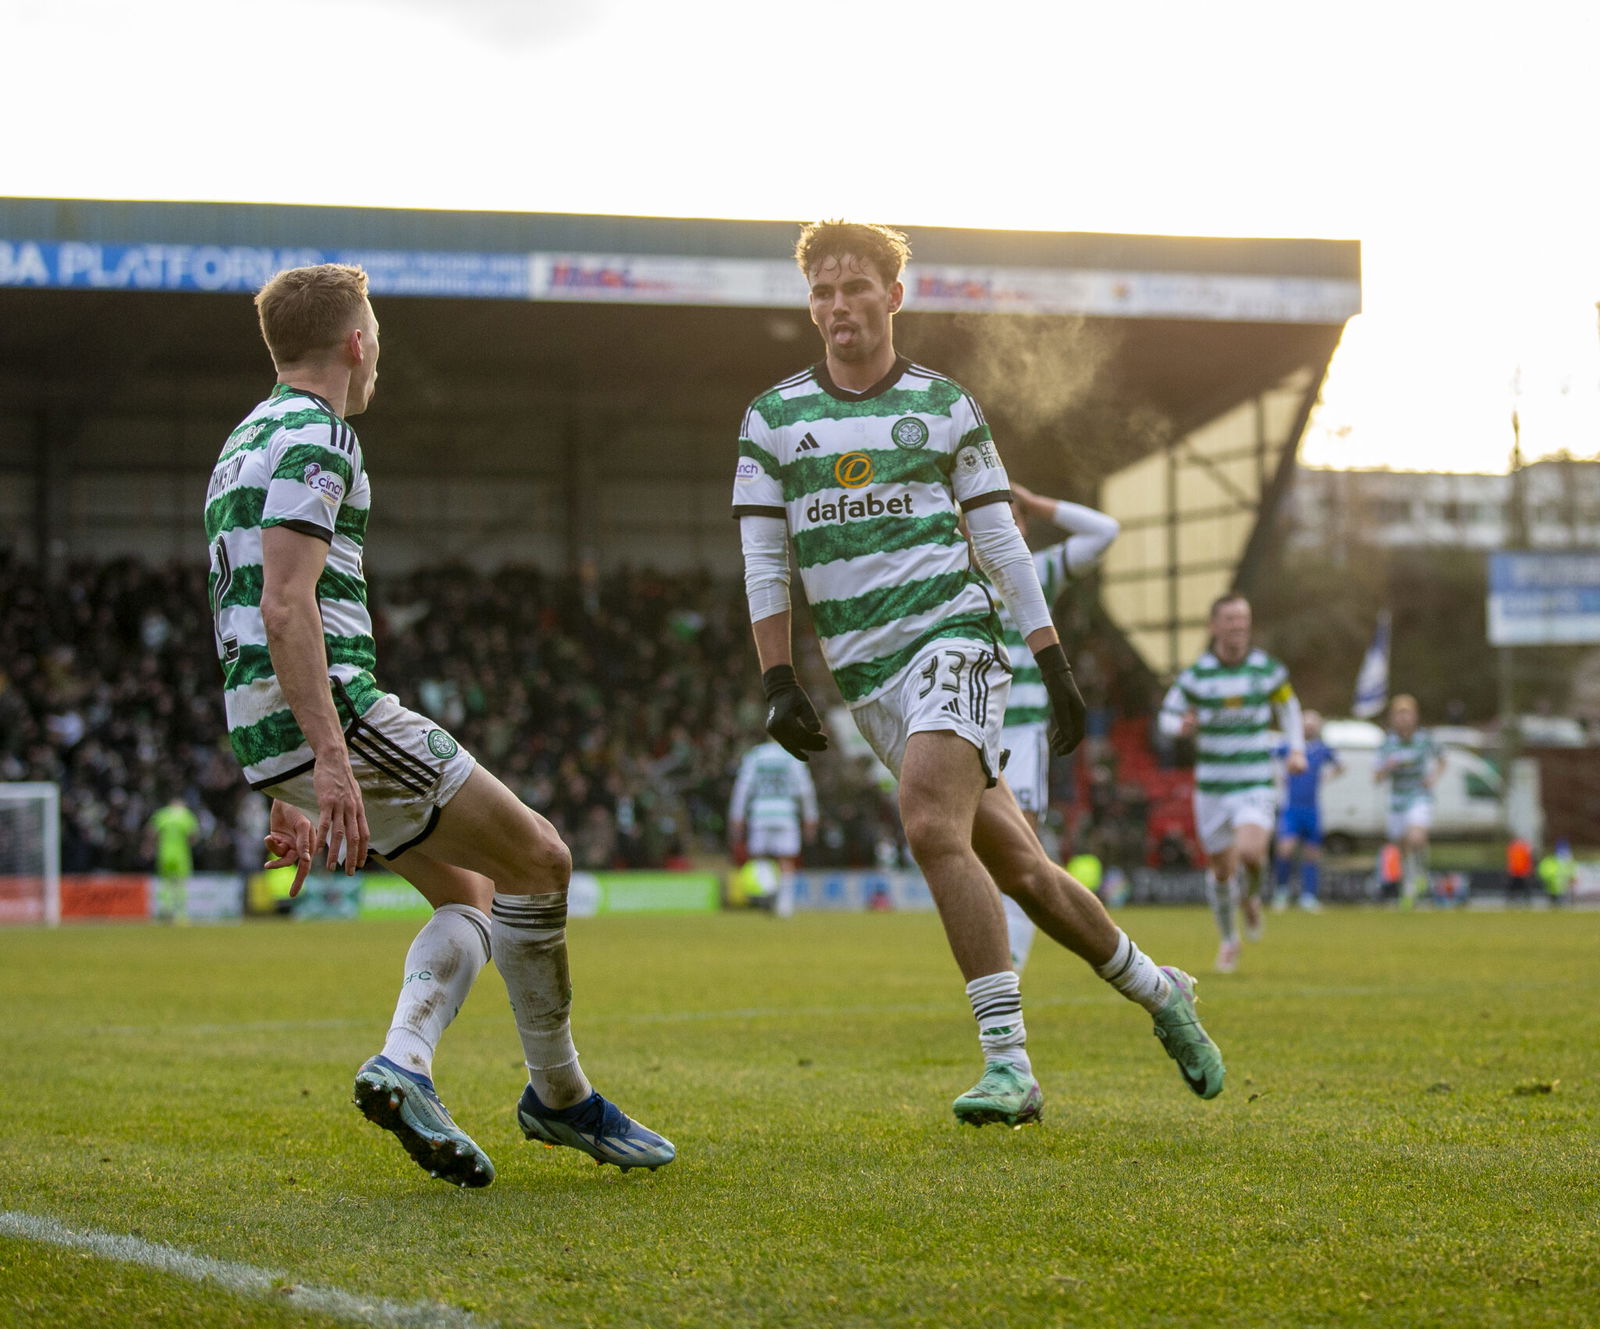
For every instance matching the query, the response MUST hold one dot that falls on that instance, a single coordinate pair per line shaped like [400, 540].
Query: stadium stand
[617, 707]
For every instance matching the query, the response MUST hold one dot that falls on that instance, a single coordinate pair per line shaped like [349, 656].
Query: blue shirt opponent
[1300, 816]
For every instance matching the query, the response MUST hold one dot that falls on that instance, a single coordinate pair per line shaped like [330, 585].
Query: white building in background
[1559, 505]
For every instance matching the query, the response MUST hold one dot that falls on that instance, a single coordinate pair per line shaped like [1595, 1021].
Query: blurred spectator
[607, 706]
[1558, 871]
[1519, 870]
[169, 839]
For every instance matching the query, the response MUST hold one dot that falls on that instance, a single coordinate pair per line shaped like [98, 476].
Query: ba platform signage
[668, 279]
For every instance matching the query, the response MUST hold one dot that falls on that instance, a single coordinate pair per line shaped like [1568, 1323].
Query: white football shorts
[1415, 815]
[772, 839]
[1216, 815]
[1028, 766]
[950, 685]
[408, 769]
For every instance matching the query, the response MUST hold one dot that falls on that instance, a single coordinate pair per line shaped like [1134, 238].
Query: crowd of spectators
[618, 706]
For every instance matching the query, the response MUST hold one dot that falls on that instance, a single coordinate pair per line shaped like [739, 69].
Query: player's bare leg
[1250, 843]
[941, 782]
[1063, 909]
[1020, 929]
[1414, 879]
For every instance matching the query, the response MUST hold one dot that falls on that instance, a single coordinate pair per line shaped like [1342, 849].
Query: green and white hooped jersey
[772, 789]
[292, 462]
[1028, 702]
[1233, 748]
[873, 485]
[1414, 759]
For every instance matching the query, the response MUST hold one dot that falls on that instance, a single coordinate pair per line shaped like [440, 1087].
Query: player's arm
[764, 534]
[1003, 555]
[791, 718]
[1178, 717]
[1089, 532]
[1292, 721]
[292, 561]
[1380, 772]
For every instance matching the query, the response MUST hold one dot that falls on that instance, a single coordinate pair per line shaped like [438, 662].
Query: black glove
[791, 718]
[1067, 711]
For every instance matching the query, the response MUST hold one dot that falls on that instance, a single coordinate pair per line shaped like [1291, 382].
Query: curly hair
[887, 250]
[306, 310]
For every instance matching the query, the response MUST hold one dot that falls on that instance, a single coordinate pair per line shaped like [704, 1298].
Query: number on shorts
[955, 664]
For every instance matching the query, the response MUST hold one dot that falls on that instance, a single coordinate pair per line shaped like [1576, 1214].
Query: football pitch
[1410, 1133]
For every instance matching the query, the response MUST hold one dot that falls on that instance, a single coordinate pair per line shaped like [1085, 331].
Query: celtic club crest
[909, 433]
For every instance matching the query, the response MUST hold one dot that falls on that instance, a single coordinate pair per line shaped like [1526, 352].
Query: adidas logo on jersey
[807, 444]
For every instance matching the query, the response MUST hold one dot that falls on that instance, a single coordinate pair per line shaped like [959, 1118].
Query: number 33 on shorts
[945, 670]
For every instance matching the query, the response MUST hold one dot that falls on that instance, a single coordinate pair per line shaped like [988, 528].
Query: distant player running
[1225, 702]
[1411, 763]
[1025, 731]
[864, 465]
[286, 519]
[1300, 820]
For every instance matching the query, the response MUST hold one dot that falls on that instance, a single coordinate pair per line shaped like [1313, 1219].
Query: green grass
[1384, 1154]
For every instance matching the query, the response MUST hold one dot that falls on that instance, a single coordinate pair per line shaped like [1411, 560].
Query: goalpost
[30, 853]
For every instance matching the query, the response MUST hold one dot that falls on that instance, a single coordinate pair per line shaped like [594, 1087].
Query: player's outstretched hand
[1068, 715]
[341, 814]
[791, 718]
[289, 842]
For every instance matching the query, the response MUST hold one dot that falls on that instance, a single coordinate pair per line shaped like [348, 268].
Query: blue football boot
[596, 1126]
[407, 1106]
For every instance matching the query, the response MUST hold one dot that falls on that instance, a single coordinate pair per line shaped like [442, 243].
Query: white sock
[1223, 899]
[1020, 932]
[997, 1003]
[442, 965]
[530, 951]
[1416, 867]
[1135, 975]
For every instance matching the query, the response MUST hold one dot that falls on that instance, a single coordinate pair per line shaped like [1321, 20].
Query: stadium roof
[566, 349]
[1178, 326]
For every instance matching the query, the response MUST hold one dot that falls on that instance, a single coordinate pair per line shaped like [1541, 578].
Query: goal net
[30, 853]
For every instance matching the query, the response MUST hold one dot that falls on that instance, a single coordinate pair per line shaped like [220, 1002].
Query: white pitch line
[243, 1279]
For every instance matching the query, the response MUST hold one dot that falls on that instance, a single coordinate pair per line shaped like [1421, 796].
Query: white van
[1469, 800]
